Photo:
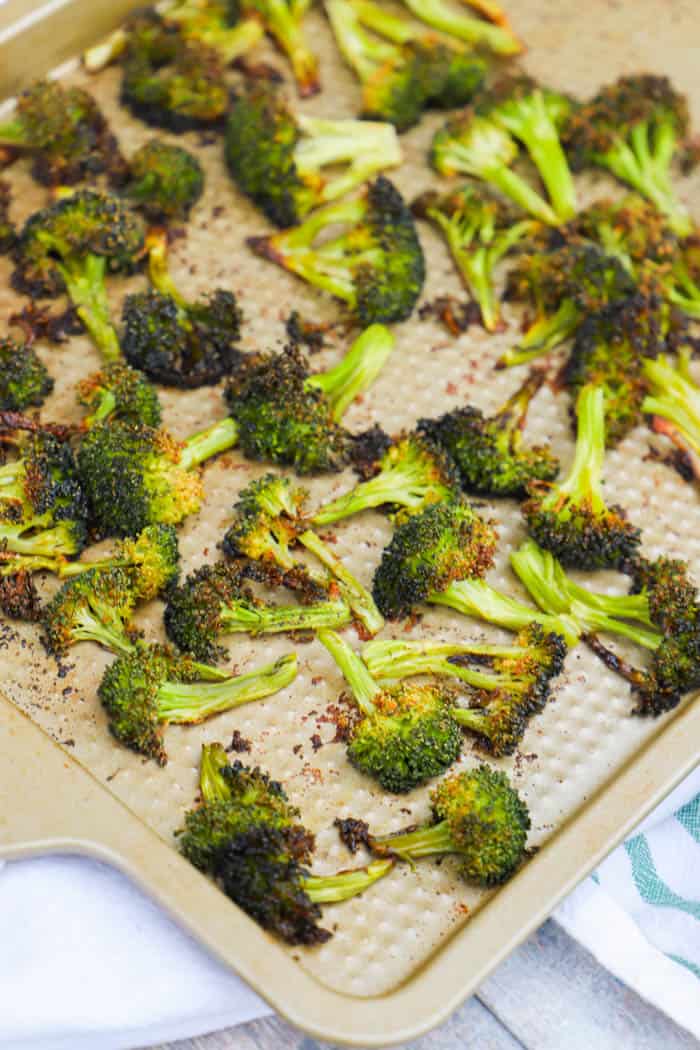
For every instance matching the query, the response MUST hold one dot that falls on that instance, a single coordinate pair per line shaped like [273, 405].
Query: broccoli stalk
[406, 733]
[97, 606]
[283, 20]
[376, 266]
[356, 372]
[148, 688]
[469, 144]
[351, 590]
[674, 407]
[571, 518]
[473, 31]
[476, 815]
[683, 286]
[489, 452]
[413, 473]
[480, 231]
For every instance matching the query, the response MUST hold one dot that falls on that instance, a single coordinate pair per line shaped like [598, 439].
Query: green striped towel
[639, 913]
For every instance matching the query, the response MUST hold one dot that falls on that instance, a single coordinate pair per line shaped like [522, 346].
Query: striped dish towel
[639, 913]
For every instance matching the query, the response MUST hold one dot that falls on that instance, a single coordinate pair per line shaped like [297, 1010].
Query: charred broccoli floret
[632, 229]
[66, 134]
[118, 392]
[245, 833]
[152, 557]
[42, 507]
[72, 245]
[215, 601]
[291, 416]
[534, 115]
[470, 144]
[19, 598]
[444, 542]
[144, 690]
[476, 815]
[480, 230]
[376, 265]
[8, 233]
[673, 406]
[279, 158]
[135, 475]
[175, 341]
[507, 684]
[404, 68]
[413, 473]
[635, 128]
[571, 518]
[24, 378]
[267, 525]
[166, 181]
[562, 286]
[609, 351]
[96, 606]
[406, 733]
[488, 451]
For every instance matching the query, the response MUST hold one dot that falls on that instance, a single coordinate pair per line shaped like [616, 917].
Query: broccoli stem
[362, 53]
[395, 28]
[85, 284]
[402, 483]
[107, 404]
[209, 442]
[476, 598]
[13, 133]
[193, 702]
[285, 27]
[686, 292]
[471, 30]
[330, 889]
[358, 597]
[472, 718]
[212, 786]
[58, 540]
[107, 631]
[357, 371]
[158, 271]
[644, 164]
[364, 688]
[507, 181]
[276, 619]
[411, 845]
[544, 335]
[388, 659]
[674, 398]
[366, 147]
[582, 486]
[10, 563]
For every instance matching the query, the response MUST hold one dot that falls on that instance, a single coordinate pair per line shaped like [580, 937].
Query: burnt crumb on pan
[38, 323]
[306, 333]
[316, 742]
[353, 833]
[457, 315]
[239, 744]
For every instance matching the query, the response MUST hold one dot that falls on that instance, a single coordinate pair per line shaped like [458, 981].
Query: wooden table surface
[549, 995]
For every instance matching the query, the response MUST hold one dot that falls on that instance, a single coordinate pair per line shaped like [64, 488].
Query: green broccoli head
[166, 181]
[66, 132]
[489, 451]
[444, 542]
[632, 229]
[96, 606]
[118, 392]
[24, 378]
[376, 266]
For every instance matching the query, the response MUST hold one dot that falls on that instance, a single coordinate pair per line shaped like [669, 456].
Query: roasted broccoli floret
[42, 507]
[444, 542]
[245, 833]
[165, 181]
[66, 134]
[175, 341]
[144, 690]
[470, 144]
[134, 475]
[8, 233]
[406, 733]
[280, 159]
[291, 416]
[376, 265]
[72, 245]
[507, 684]
[96, 606]
[673, 405]
[215, 601]
[170, 81]
[24, 378]
[562, 286]
[404, 68]
[266, 526]
[488, 451]
[571, 518]
[534, 115]
[480, 230]
[476, 815]
[631, 229]
[635, 129]
[118, 392]
[609, 350]
[152, 557]
[662, 615]
[413, 473]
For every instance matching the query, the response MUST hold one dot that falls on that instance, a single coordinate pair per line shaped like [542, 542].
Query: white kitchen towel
[87, 962]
